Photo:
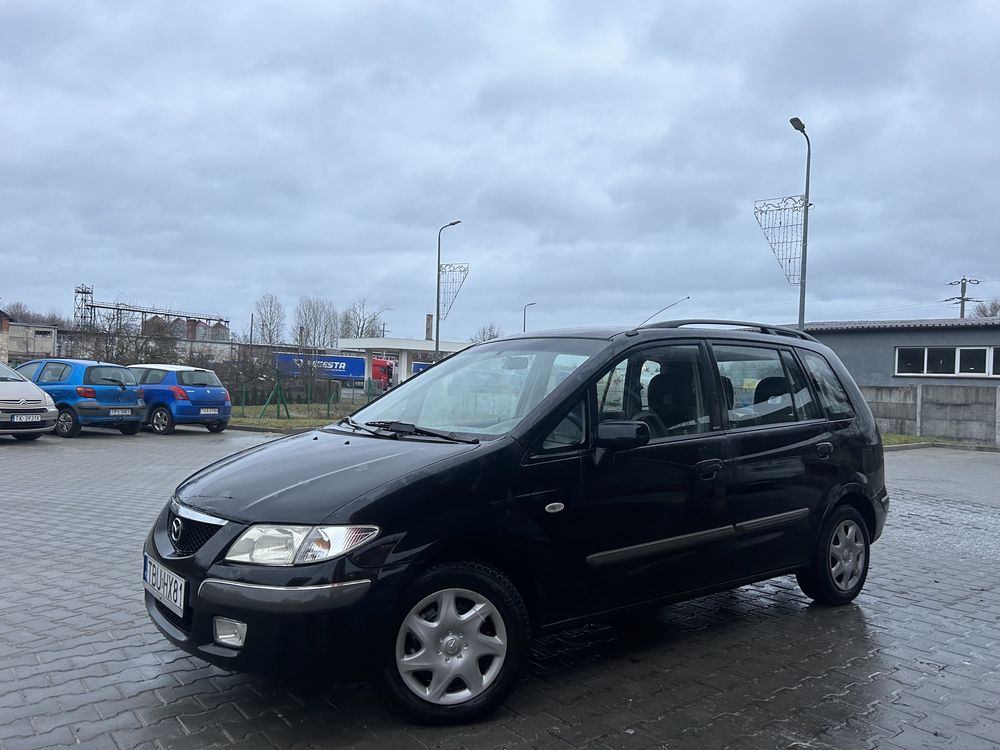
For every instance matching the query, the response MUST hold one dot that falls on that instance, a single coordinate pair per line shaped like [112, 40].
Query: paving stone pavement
[914, 663]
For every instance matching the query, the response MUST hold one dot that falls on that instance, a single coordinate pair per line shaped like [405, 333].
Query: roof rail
[762, 327]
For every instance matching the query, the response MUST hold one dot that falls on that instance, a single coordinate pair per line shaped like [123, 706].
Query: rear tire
[217, 426]
[130, 428]
[467, 623]
[28, 437]
[840, 562]
[68, 424]
[162, 421]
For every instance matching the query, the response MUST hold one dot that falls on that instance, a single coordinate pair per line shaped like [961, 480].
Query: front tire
[68, 424]
[456, 646]
[162, 421]
[130, 428]
[840, 563]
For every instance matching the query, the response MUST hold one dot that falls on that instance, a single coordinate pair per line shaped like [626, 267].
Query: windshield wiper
[405, 428]
[119, 383]
[358, 426]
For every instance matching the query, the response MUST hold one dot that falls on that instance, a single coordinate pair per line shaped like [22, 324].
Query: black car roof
[679, 328]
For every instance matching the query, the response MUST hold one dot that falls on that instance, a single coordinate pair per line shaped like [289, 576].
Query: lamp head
[457, 221]
[798, 124]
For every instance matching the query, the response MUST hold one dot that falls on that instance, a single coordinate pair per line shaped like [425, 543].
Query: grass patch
[303, 416]
[892, 438]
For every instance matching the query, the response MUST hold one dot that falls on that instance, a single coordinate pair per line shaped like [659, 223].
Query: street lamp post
[801, 127]
[437, 304]
[524, 316]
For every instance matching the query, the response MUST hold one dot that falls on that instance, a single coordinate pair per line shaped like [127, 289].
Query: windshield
[195, 378]
[8, 374]
[484, 391]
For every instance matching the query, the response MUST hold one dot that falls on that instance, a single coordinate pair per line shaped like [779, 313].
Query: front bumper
[328, 616]
[10, 427]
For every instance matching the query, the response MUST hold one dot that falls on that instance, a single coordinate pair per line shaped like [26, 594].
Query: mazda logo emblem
[176, 529]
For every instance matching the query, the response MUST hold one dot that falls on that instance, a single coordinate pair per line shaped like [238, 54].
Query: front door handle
[825, 450]
[708, 469]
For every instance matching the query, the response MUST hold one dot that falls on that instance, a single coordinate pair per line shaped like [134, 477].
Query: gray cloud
[604, 158]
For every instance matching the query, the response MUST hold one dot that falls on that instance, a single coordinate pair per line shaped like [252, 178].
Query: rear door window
[755, 385]
[805, 405]
[831, 391]
[54, 372]
[108, 375]
[152, 377]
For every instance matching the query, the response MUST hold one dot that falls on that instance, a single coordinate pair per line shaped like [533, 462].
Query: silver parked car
[26, 411]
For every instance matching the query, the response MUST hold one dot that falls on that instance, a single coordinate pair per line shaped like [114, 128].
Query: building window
[972, 361]
[941, 360]
[910, 361]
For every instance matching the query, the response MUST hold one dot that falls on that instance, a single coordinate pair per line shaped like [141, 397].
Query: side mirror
[619, 435]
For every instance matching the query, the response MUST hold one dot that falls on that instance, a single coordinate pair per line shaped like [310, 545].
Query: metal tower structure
[452, 277]
[83, 307]
[781, 220]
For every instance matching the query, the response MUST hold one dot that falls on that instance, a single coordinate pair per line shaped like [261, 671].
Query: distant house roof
[896, 325]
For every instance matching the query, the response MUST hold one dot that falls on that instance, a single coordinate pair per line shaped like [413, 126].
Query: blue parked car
[175, 394]
[88, 393]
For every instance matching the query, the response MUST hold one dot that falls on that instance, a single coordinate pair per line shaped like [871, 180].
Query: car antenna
[634, 330]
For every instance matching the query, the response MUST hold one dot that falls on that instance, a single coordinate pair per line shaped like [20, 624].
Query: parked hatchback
[520, 486]
[26, 411]
[176, 394]
[88, 393]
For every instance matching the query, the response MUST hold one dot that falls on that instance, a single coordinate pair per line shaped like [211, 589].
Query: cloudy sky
[604, 158]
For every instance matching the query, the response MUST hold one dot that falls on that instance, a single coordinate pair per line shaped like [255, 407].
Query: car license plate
[120, 412]
[209, 411]
[26, 418]
[165, 586]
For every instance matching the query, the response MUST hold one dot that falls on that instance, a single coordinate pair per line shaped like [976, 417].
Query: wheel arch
[504, 554]
[858, 500]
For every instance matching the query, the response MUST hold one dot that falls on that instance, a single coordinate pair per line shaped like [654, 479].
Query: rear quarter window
[108, 375]
[832, 393]
[28, 371]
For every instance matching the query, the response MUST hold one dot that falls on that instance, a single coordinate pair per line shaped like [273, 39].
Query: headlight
[48, 400]
[265, 544]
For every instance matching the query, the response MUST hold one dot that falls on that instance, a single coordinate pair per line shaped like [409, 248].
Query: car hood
[305, 478]
[18, 389]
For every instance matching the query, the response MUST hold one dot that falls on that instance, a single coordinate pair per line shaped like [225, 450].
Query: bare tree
[21, 313]
[486, 332]
[270, 319]
[121, 336]
[987, 308]
[362, 319]
[316, 323]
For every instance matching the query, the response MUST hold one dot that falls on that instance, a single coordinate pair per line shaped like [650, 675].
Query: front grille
[23, 411]
[16, 401]
[194, 534]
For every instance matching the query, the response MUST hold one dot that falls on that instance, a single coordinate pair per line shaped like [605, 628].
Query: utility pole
[962, 298]
[437, 304]
[800, 126]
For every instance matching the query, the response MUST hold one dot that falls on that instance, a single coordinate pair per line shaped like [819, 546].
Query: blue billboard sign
[322, 365]
[416, 367]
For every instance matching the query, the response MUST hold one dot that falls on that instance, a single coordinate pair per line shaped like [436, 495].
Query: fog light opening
[230, 633]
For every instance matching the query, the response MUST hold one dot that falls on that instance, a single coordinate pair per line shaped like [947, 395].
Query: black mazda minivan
[522, 485]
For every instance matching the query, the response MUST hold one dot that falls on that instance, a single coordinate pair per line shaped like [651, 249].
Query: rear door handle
[824, 449]
[708, 469]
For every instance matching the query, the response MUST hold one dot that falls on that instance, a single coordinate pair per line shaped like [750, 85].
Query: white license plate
[120, 412]
[209, 411]
[26, 418]
[164, 585]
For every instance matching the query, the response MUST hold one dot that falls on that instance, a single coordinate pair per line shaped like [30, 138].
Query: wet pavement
[915, 662]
